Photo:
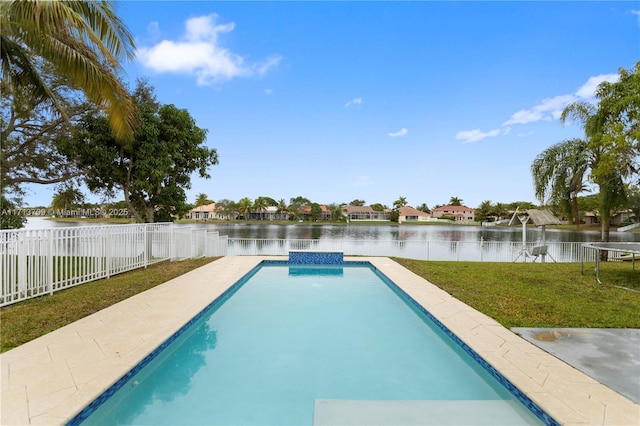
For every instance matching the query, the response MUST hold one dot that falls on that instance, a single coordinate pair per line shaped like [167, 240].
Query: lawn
[515, 294]
[541, 295]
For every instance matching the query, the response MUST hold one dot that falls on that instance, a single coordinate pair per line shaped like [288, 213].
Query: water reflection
[461, 233]
[171, 379]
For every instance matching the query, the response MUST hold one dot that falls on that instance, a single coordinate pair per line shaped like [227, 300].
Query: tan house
[455, 213]
[409, 214]
[205, 212]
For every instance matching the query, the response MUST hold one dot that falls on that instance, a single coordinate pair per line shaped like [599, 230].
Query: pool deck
[50, 379]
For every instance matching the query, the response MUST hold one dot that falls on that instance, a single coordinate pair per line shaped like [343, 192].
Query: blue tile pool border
[517, 393]
[303, 257]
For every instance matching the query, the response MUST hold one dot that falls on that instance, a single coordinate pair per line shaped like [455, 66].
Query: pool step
[409, 413]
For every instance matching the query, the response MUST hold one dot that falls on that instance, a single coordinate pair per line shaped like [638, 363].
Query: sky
[336, 101]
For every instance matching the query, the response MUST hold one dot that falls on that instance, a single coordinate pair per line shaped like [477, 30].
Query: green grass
[25, 321]
[541, 295]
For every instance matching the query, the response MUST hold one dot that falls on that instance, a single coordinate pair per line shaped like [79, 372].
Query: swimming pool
[297, 342]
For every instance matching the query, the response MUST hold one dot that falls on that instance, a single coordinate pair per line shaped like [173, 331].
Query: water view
[461, 233]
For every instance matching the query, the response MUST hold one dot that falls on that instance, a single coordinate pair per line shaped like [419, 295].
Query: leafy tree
[455, 201]
[316, 212]
[612, 132]
[82, 40]
[269, 201]
[336, 212]
[616, 125]
[153, 171]
[400, 202]
[228, 208]
[294, 206]
[589, 203]
[299, 201]
[29, 132]
[558, 175]
[202, 200]
[377, 207]
[9, 218]
[633, 201]
[357, 202]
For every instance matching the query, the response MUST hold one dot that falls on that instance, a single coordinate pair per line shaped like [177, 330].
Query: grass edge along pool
[535, 409]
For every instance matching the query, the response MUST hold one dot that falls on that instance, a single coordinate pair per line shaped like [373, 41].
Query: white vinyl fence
[34, 262]
[470, 251]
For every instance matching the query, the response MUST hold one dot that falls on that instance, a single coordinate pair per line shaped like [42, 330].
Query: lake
[462, 233]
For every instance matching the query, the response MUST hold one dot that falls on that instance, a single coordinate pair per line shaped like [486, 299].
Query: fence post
[481, 246]
[107, 250]
[146, 244]
[22, 264]
[50, 261]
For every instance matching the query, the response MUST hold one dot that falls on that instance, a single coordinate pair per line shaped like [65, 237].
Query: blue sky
[337, 101]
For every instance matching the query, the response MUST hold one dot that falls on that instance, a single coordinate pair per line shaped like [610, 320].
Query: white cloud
[356, 101]
[588, 90]
[551, 108]
[399, 133]
[547, 109]
[271, 62]
[467, 136]
[506, 130]
[637, 12]
[199, 53]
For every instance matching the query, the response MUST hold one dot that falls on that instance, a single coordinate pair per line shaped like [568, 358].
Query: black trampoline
[630, 251]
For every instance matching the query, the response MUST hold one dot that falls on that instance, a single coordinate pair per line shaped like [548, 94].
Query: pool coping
[52, 378]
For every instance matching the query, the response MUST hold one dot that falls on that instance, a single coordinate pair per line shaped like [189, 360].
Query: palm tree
[202, 200]
[609, 179]
[558, 175]
[244, 207]
[66, 199]
[282, 208]
[83, 40]
[484, 210]
[260, 205]
[500, 210]
[455, 201]
[400, 202]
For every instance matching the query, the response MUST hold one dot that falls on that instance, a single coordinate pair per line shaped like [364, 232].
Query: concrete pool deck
[50, 379]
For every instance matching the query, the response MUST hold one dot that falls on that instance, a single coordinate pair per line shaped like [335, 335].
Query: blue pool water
[290, 337]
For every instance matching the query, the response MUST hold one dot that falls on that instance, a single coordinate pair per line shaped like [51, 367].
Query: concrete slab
[610, 356]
